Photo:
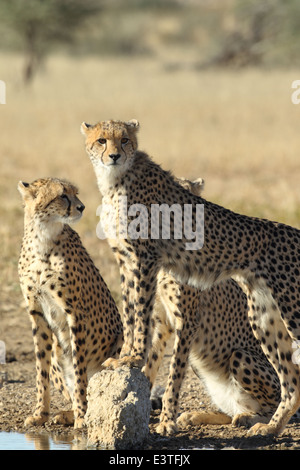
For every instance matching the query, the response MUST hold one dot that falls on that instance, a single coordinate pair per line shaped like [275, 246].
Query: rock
[118, 408]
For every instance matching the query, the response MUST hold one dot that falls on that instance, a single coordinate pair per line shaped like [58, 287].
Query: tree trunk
[31, 53]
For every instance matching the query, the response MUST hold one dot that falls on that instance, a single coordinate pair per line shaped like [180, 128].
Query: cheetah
[214, 244]
[73, 315]
[213, 334]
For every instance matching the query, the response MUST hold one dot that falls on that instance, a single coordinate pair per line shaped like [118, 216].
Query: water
[30, 441]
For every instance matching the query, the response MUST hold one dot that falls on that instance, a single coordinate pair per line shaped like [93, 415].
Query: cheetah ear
[199, 183]
[85, 127]
[24, 190]
[133, 123]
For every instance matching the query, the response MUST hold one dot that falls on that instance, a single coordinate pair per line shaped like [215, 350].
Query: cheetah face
[51, 200]
[111, 144]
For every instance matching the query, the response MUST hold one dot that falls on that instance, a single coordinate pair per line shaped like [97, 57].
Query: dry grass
[238, 130]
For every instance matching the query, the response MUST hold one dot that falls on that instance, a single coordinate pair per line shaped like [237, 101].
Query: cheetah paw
[79, 423]
[36, 420]
[111, 363]
[130, 361]
[249, 419]
[263, 430]
[64, 417]
[185, 419]
[166, 428]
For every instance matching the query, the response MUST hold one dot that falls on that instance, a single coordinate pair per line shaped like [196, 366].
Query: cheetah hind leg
[256, 376]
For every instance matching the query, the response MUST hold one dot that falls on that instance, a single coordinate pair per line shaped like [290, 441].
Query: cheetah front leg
[127, 266]
[57, 378]
[161, 332]
[196, 418]
[42, 338]
[184, 337]
[172, 303]
[145, 281]
[144, 291]
[76, 324]
[127, 287]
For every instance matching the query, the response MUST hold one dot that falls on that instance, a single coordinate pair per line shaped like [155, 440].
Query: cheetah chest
[44, 283]
[56, 319]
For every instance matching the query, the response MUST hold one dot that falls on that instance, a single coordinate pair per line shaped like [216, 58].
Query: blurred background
[209, 80]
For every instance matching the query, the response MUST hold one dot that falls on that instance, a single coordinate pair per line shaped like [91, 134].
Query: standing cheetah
[262, 256]
[213, 333]
[71, 310]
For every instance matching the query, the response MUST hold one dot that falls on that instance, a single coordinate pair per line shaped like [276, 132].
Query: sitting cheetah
[213, 333]
[70, 307]
[262, 256]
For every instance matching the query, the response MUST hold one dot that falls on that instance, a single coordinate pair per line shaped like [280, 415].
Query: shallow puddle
[29, 441]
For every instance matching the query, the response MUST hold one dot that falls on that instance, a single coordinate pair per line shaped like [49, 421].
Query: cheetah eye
[65, 197]
[101, 141]
[124, 140]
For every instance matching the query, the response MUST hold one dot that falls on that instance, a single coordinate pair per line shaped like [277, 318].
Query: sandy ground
[17, 399]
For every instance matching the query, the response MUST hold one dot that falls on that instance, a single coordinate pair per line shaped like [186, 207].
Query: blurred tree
[42, 23]
[255, 30]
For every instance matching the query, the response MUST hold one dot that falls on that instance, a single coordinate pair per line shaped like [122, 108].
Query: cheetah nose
[81, 208]
[115, 156]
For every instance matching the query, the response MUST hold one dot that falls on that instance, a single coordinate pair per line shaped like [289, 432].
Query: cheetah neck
[43, 234]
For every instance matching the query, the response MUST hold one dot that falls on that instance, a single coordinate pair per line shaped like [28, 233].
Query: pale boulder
[118, 409]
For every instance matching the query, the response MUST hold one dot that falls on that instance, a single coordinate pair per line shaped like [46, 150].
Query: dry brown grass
[238, 130]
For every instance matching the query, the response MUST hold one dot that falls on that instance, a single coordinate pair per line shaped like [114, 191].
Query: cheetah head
[195, 187]
[51, 201]
[111, 145]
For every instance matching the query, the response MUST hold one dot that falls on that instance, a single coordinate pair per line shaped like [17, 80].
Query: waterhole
[30, 441]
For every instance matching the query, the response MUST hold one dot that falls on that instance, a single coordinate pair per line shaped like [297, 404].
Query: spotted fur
[74, 317]
[212, 333]
[260, 255]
